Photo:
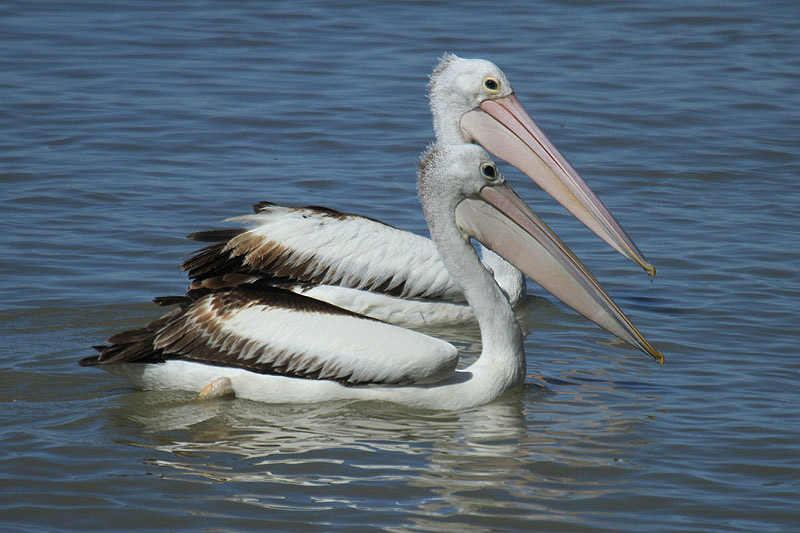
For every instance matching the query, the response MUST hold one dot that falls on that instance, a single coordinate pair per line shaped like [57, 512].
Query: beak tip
[658, 356]
[650, 269]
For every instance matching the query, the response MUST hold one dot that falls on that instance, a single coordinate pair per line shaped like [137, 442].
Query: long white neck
[445, 122]
[502, 359]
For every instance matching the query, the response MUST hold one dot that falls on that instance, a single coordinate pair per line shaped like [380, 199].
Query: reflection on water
[490, 461]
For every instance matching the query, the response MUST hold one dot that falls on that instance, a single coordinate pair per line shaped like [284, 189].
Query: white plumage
[272, 345]
[347, 250]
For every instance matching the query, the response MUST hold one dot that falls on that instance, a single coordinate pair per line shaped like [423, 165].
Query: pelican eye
[492, 85]
[490, 172]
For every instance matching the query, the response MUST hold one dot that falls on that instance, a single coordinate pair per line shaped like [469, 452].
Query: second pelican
[374, 269]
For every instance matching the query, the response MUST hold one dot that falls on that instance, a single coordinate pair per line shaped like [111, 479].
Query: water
[124, 126]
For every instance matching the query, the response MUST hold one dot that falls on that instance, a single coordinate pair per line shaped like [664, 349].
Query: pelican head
[461, 187]
[472, 101]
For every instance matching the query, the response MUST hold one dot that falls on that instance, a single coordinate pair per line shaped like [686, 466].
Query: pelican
[374, 269]
[267, 344]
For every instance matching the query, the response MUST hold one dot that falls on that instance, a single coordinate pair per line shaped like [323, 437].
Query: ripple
[127, 126]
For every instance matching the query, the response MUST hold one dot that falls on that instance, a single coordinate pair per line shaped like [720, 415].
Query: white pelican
[267, 344]
[370, 268]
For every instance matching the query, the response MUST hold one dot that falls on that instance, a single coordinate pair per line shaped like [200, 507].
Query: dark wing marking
[232, 328]
[318, 245]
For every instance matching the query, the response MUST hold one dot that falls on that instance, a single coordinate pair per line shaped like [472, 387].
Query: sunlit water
[124, 126]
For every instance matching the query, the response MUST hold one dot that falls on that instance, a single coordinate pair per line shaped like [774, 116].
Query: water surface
[124, 126]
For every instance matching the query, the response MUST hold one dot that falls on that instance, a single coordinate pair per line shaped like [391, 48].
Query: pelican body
[272, 345]
[370, 268]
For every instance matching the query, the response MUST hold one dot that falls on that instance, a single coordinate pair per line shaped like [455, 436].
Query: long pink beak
[500, 220]
[505, 129]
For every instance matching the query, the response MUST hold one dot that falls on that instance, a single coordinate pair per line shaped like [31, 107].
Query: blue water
[126, 125]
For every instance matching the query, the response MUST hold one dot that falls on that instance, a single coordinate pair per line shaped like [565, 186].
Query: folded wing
[268, 330]
[321, 246]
